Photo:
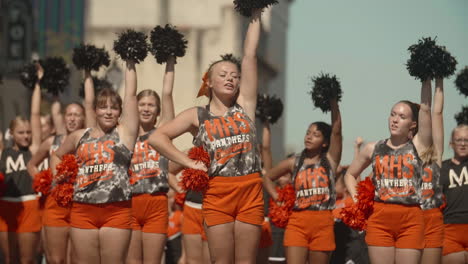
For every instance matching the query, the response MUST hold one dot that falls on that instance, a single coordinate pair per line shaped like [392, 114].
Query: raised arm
[360, 162]
[129, 121]
[36, 112]
[167, 102]
[357, 145]
[161, 140]
[57, 117]
[423, 139]
[89, 100]
[39, 156]
[266, 147]
[438, 120]
[336, 137]
[249, 79]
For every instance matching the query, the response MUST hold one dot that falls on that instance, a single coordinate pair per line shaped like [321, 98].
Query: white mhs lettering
[457, 180]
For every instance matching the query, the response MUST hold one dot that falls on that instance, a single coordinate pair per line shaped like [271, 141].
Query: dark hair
[325, 129]
[107, 93]
[149, 92]
[414, 113]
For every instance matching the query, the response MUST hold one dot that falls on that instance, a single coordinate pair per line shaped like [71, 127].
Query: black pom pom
[99, 84]
[131, 45]
[28, 75]
[167, 41]
[245, 7]
[269, 108]
[462, 117]
[56, 75]
[428, 60]
[1, 78]
[462, 81]
[89, 57]
[325, 87]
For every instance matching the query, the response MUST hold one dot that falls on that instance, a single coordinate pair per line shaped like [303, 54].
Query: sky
[365, 44]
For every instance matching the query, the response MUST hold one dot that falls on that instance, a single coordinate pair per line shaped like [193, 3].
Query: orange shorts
[396, 225]
[234, 198]
[192, 223]
[455, 238]
[311, 229]
[95, 216]
[433, 228]
[266, 239]
[20, 217]
[150, 213]
[55, 215]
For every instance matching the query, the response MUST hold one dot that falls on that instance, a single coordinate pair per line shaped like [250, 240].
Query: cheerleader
[233, 203]
[148, 176]
[20, 216]
[56, 219]
[454, 179]
[395, 230]
[313, 179]
[431, 190]
[100, 217]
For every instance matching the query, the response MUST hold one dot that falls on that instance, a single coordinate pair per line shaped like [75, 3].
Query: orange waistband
[432, 211]
[224, 179]
[149, 194]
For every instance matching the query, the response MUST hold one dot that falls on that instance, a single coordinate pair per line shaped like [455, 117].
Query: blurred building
[212, 28]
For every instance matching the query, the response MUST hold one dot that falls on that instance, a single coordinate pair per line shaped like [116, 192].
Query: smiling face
[400, 121]
[224, 79]
[107, 114]
[148, 110]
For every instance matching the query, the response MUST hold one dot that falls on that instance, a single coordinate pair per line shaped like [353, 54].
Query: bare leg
[221, 243]
[432, 256]
[296, 255]
[153, 247]
[319, 257]
[407, 256]
[193, 249]
[455, 258]
[135, 249]
[85, 246]
[114, 244]
[382, 255]
[9, 246]
[56, 239]
[27, 244]
[247, 238]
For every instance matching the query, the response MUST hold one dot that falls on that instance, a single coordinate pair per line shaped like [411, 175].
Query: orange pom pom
[192, 179]
[42, 182]
[67, 170]
[356, 215]
[180, 199]
[281, 209]
[63, 194]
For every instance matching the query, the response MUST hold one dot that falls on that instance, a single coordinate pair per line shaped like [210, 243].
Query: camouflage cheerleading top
[230, 140]
[431, 190]
[148, 169]
[103, 165]
[397, 174]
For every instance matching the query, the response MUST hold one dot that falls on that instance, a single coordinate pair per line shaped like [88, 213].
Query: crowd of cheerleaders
[107, 198]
